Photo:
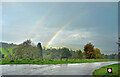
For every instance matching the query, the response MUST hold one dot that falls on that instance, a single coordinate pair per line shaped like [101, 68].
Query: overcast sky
[94, 22]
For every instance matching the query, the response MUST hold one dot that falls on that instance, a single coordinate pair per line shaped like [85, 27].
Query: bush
[50, 60]
[34, 61]
[31, 59]
[18, 61]
[25, 59]
[11, 60]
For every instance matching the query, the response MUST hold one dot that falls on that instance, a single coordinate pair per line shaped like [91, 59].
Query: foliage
[111, 56]
[26, 50]
[40, 50]
[78, 55]
[97, 53]
[65, 52]
[89, 50]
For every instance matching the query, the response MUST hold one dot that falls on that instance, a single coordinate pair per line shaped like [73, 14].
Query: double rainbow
[38, 24]
[63, 26]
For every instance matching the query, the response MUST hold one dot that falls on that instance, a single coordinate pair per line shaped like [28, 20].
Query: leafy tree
[111, 56]
[26, 50]
[65, 52]
[78, 54]
[27, 43]
[97, 53]
[89, 50]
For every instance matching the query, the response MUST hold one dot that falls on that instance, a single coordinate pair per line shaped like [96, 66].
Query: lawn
[38, 61]
[4, 51]
[103, 71]
[10, 49]
[7, 51]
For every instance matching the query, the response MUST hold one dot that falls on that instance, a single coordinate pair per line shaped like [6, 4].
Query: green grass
[103, 71]
[38, 61]
[4, 51]
[10, 50]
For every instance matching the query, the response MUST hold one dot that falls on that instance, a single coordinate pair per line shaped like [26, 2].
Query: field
[51, 61]
[103, 71]
[6, 51]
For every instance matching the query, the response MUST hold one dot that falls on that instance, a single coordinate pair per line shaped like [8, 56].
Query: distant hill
[7, 45]
[6, 48]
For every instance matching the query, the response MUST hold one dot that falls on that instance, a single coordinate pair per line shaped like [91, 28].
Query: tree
[97, 53]
[89, 50]
[78, 54]
[65, 52]
[27, 43]
[26, 50]
[40, 49]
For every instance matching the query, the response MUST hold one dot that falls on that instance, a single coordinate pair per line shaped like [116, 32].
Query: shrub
[50, 60]
[18, 61]
[11, 60]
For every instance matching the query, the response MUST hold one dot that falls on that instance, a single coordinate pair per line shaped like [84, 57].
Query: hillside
[6, 45]
[7, 48]
[7, 51]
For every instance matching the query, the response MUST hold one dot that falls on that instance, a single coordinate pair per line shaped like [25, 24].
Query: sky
[62, 24]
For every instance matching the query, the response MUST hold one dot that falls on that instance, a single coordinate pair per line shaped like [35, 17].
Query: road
[51, 69]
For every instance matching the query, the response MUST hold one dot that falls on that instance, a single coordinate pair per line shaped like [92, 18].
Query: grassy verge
[38, 61]
[4, 51]
[103, 71]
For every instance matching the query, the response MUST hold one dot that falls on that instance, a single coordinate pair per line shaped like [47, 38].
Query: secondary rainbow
[63, 26]
[38, 24]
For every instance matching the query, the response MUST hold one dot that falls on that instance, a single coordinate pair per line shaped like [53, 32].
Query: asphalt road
[58, 69]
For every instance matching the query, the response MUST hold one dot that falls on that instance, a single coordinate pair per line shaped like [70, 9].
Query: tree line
[27, 50]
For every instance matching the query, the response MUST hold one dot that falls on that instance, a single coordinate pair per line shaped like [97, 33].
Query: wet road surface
[51, 69]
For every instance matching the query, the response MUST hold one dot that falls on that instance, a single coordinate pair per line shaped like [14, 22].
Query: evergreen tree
[40, 49]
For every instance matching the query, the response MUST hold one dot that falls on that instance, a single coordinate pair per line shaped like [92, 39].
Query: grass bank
[102, 72]
[38, 61]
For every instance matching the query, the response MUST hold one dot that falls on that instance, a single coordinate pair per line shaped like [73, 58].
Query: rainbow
[63, 26]
[38, 24]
